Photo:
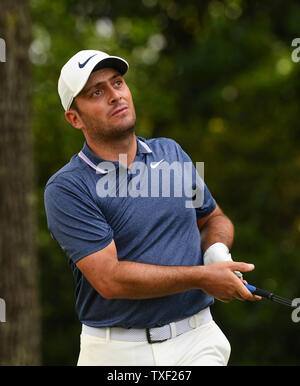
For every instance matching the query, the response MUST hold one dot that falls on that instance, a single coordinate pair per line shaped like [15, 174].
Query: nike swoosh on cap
[154, 165]
[81, 65]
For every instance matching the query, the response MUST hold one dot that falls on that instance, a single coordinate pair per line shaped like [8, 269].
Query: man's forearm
[217, 229]
[133, 280]
[114, 278]
[143, 281]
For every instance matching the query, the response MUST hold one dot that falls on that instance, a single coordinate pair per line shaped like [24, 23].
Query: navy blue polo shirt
[150, 211]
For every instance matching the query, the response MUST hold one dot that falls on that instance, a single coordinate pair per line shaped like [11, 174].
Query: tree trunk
[20, 334]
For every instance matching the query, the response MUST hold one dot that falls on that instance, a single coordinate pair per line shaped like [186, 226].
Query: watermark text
[2, 50]
[296, 311]
[296, 52]
[156, 179]
[2, 310]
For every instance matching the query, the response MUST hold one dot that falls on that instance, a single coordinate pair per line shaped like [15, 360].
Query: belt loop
[107, 334]
[196, 321]
[173, 330]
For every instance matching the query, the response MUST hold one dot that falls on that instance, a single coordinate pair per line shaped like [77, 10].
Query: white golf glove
[216, 253]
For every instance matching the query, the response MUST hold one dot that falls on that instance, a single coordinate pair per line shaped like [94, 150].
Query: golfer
[148, 254]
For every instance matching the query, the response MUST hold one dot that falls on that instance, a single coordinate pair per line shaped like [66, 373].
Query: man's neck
[111, 151]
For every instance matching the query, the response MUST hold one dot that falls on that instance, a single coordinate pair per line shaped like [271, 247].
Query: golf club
[268, 295]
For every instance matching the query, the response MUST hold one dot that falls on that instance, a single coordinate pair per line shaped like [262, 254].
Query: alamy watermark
[296, 312]
[2, 310]
[158, 179]
[2, 50]
[296, 52]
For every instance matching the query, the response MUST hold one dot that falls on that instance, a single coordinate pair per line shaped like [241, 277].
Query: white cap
[76, 72]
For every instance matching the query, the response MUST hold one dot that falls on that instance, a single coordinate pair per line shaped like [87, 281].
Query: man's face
[105, 106]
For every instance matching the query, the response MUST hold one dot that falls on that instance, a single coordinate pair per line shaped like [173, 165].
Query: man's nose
[114, 96]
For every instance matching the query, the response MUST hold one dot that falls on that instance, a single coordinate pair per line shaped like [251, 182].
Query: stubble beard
[104, 134]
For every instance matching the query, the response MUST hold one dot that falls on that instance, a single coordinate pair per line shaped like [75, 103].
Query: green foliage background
[216, 76]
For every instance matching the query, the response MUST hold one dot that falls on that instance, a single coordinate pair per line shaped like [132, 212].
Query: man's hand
[216, 253]
[220, 281]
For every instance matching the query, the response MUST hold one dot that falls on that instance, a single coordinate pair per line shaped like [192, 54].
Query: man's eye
[118, 83]
[97, 93]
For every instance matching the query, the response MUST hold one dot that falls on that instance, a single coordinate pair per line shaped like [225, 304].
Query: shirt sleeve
[74, 220]
[209, 204]
[204, 202]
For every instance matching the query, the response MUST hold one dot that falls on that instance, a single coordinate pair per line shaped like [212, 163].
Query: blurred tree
[20, 335]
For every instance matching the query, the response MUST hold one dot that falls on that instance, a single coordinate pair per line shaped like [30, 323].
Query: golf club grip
[259, 291]
[263, 293]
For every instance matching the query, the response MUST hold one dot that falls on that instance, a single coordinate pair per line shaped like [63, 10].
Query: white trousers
[202, 346]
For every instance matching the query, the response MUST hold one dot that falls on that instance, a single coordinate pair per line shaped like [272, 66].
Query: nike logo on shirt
[154, 165]
[81, 65]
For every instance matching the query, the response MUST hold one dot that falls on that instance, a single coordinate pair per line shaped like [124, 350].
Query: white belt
[152, 335]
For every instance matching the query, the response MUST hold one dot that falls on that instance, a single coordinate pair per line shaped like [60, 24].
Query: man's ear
[73, 117]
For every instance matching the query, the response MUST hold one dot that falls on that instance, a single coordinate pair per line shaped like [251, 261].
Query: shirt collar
[142, 146]
[89, 157]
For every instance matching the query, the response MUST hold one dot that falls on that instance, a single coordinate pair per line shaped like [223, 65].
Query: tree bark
[20, 334]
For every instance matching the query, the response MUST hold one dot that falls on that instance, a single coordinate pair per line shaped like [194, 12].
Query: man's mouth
[119, 110]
